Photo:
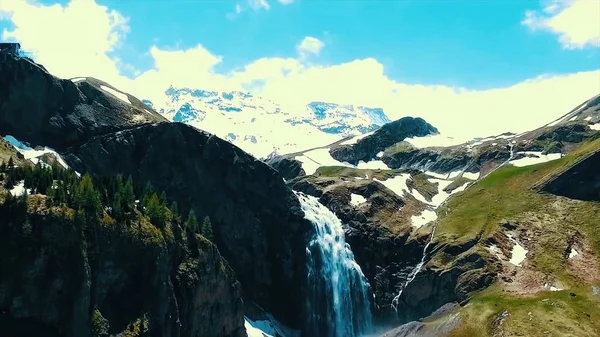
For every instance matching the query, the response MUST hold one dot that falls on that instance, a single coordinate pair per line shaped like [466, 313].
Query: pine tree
[156, 211]
[191, 223]
[51, 196]
[128, 196]
[3, 167]
[88, 198]
[207, 230]
[175, 210]
[11, 163]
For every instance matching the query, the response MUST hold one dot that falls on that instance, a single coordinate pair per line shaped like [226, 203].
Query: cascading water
[338, 293]
[413, 274]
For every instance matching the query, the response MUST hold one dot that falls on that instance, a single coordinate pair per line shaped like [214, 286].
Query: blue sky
[475, 44]
[443, 60]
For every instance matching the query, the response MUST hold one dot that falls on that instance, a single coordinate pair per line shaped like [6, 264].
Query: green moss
[504, 193]
[457, 183]
[100, 325]
[424, 186]
[562, 313]
[349, 172]
[507, 194]
[398, 147]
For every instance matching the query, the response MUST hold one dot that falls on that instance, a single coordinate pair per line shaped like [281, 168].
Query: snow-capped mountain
[260, 126]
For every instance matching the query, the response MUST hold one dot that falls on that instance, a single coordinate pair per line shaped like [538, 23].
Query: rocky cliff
[41, 108]
[117, 278]
[259, 226]
[367, 148]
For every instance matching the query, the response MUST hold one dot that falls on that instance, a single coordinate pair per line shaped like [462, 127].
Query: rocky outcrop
[435, 286]
[441, 323]
[259, 226]
[42, 109]
[289, 168]
[580, 181]
[367, 148]
[59, 279]
[428, 160]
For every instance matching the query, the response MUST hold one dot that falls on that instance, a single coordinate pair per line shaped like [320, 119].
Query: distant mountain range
[260, 126]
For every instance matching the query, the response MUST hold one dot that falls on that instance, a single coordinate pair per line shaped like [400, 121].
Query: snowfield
[115, 93]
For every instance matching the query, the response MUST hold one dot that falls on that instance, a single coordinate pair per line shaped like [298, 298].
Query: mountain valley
[317, 214]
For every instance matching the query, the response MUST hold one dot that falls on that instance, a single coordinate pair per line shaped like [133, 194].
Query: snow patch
[454, 174]
[550, 287]
[573, 253]
[372, 165]
[78, 79]
[496, 251]
[19, 189]
[355, 139]
[572, 119]
[314, 159]
[442, 195]
[357, 199]
[433, 140]
[437, 175]
[518, 254]
[471, 175]
[396, 184]
[258, 328]
[420, 220]
[379, 154]
[595, 126]
[115, 93]
[533, 158]
[589, 118]
[32, 154]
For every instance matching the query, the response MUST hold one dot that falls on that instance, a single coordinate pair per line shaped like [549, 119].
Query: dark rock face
[259, 226]
[581, 181]
[258, 223]
[289, 168]
[38, 107]
[427, 160]
[385, 258]
[573, 133]
[389, 134]
[55, 275]
[432, 288]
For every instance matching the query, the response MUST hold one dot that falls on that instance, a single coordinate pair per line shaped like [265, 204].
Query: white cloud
[576, 22]
[259, 4]
[310, 45]
[457, 112]
[62, 37]
[286, 2]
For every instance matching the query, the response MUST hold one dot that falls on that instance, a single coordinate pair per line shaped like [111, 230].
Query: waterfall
[338, 301]
[420, 265]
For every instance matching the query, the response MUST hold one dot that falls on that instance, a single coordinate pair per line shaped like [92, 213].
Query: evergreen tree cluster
[91, 196]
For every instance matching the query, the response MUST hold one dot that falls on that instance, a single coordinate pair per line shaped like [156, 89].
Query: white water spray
[338, 292]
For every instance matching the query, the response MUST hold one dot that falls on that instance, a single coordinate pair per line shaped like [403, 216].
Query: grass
[424, 186]
[547, 314]
[398, 147]
[7, 151]
[504, 193]
[507, 194]
[349, 172]
[457, 183]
